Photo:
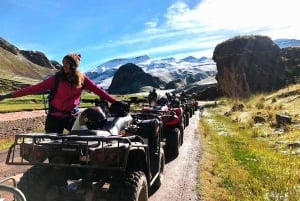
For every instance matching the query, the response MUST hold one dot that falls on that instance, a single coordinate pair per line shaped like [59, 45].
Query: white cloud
[196, 31]
[179, 17]
[151, 24]
[278, 17]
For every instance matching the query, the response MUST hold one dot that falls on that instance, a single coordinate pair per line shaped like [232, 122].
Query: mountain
[21, 68]
[130, 78]
[189, 69]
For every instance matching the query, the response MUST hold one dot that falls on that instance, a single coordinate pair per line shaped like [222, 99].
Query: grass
[32, 102]
[36, 102]
[250, 161]
[6, 143]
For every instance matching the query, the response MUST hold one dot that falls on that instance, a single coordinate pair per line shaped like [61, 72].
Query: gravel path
[180, 175]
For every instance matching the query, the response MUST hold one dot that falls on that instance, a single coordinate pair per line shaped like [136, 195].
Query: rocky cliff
[130, 78]
[291, 62]
[247, 65]
[36, 57]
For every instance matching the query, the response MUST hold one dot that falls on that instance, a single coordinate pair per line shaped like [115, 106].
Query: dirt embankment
[21, 122]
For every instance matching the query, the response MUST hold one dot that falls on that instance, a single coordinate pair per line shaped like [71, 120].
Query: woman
[67, 94]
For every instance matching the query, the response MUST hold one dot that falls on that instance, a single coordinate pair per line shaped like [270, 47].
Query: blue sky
[107, 29]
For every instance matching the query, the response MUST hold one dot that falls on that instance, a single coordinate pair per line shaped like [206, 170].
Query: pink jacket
[66, 97]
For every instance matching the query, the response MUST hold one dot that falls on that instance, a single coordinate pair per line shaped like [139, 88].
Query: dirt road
[180, 175]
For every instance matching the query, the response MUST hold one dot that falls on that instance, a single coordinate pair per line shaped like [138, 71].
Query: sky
[101, 30]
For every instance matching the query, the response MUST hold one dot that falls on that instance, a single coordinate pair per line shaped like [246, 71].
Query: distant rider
[152, 97]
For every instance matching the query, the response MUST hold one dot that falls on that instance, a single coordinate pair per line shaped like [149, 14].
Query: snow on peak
[122, 61]
[167, 69]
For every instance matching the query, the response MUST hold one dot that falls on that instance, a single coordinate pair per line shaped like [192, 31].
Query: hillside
[257, 139]
[17, 71]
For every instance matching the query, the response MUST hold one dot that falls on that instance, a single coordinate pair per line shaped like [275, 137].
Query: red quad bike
[117, 157]
[176, 102]
[173, 125]
[181, 109]
[174, 106]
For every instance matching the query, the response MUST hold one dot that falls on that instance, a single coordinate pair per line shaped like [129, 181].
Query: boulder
[291, 62]
[211, 92]
[247, 65]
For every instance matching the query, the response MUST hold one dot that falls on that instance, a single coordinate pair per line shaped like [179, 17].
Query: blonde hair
[80, 79]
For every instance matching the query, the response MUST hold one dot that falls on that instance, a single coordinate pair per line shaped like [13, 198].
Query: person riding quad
[152, 97]
[67, 97]
[183, 95]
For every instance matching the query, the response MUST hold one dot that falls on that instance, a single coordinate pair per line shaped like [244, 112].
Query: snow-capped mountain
[190, 69]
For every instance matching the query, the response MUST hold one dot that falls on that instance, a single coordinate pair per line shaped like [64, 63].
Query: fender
[172, 122]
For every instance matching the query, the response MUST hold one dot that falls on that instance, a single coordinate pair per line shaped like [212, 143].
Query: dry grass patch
[208, 187]
[246, 160]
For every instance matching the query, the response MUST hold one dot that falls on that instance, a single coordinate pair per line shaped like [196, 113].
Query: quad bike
[173, 124]
[121, 160]
[179, 102]
[9, 192]
[189, 106]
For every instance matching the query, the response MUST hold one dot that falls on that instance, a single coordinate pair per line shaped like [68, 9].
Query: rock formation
[291, 62]
[37, 57]
[248, 65]
[8, 47]
[129, 78]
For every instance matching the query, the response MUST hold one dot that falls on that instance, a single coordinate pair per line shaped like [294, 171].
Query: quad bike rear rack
[87, 149]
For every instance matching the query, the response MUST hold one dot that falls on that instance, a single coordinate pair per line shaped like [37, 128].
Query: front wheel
[181, 129]
[187, 119]
[160, 177]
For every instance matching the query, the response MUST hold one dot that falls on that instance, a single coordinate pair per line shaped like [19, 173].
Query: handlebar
[17, 193]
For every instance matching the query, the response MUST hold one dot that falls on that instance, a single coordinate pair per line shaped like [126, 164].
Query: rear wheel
[43, 183]
[173, 142]
[187, 119]
[130, 187]
[191, 111]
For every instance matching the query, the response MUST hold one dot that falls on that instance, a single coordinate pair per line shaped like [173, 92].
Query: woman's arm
[35, 89]
[91, 86]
